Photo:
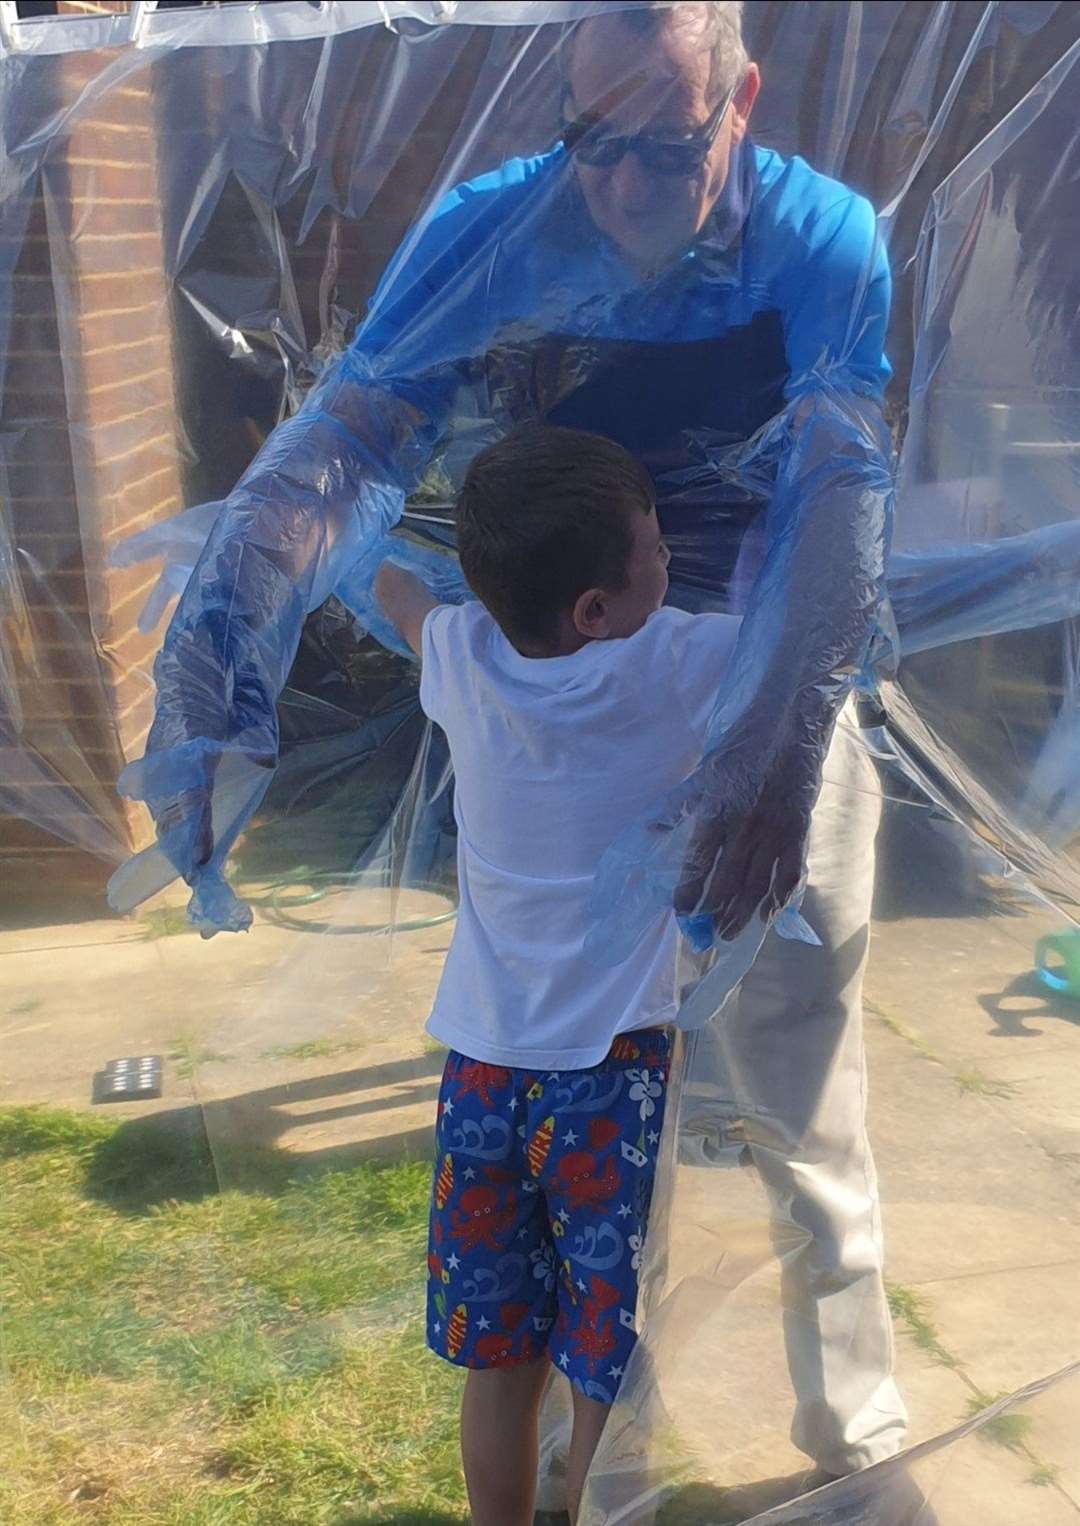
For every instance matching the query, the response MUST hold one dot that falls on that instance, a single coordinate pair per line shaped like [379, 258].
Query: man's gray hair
[717, 22]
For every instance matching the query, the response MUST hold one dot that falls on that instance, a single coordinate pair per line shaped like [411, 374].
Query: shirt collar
[719, 243]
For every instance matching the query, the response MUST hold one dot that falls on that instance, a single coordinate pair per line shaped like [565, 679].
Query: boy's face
[625, 610]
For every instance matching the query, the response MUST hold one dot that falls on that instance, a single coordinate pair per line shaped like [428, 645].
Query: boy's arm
[405, 602]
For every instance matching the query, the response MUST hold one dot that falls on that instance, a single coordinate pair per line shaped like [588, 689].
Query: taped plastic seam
[256, 25]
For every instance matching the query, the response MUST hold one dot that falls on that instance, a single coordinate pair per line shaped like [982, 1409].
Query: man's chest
[651, 369]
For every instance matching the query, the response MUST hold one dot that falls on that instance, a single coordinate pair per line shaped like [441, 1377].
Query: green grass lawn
[179, 1353]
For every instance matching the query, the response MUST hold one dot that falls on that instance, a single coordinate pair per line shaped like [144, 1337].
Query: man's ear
[743, 103]
[591, 616]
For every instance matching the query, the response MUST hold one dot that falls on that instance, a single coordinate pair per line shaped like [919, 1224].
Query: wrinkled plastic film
[393, 394]
[331, 329]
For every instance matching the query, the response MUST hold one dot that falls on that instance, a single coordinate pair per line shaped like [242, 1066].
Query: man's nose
[632, 186]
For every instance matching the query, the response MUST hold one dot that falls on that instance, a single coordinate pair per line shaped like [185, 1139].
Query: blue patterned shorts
[539, 1208]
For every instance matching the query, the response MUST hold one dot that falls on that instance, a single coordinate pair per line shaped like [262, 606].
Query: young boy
[570, 700]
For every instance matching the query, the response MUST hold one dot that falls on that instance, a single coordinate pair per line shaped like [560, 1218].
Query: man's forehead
[633, 74]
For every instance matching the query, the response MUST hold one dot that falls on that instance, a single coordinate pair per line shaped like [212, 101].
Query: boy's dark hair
[542, 516]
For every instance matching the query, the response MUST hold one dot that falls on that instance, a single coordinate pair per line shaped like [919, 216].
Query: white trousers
[785, 1059]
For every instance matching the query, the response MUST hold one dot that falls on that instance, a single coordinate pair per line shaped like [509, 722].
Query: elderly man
[658, 278]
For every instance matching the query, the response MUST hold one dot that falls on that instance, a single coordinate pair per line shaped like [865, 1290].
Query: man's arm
[963, 592]
[326, 486]
[405, 601]
[813, 607]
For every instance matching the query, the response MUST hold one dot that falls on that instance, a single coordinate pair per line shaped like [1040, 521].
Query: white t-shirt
[553, 758]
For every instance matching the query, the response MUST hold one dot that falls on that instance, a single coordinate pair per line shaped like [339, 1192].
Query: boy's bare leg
[589, 1420]
[499, 1441]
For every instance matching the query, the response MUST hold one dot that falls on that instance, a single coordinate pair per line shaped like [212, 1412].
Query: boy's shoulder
[461, 624]
[452, 642]
[456, 640]
[669, 673]
[673, 651]
[471, 625]
[692, 633]
[693, 662]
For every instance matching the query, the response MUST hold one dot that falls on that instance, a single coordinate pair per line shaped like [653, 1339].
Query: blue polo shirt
[508, 305]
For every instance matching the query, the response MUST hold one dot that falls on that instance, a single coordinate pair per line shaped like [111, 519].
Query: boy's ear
[591, 616]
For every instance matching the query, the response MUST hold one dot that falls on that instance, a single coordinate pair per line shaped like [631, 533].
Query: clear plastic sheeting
[270, 276]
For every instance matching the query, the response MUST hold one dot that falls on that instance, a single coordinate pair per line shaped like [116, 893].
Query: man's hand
[185, 829]
[742, 861]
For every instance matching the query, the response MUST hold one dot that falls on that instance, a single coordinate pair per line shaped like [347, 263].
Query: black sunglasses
[586, 139]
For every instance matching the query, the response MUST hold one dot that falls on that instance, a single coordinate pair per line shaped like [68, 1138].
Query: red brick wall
[93, 376]
[90, 382]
